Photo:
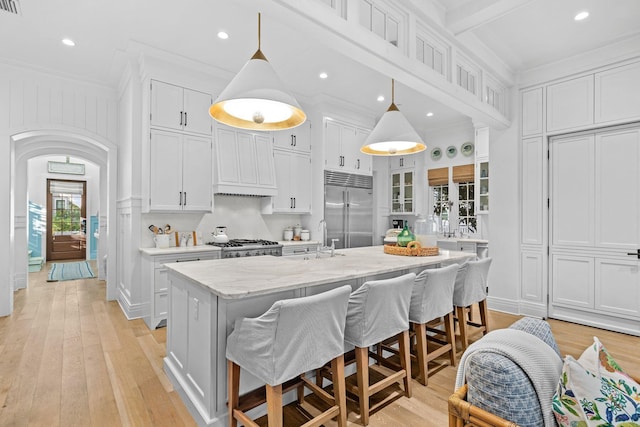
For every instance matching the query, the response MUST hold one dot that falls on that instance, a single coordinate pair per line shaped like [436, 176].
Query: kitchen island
[206, 297]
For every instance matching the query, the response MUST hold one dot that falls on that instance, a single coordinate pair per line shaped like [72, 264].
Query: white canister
[288, 234]
[297, 229]
[162, 241]
[304, 235]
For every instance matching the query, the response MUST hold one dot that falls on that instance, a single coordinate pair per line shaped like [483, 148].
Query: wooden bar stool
[470, 288]
[431, 307]
[293, 337]
[379, 309]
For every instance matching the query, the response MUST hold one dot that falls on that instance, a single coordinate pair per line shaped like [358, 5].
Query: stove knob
[237, 254]
[247, 254]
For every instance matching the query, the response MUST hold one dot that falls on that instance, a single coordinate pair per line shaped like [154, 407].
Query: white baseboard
[132, 311]
[503, 305]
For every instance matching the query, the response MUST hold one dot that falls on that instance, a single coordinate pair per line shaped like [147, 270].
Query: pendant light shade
[393, 135]
[256, 99]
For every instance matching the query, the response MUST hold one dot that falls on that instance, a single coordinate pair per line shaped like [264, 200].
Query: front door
[66, 220]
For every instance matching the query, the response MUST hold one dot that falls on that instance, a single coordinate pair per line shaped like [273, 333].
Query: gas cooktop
[236, 248]
[242, 243]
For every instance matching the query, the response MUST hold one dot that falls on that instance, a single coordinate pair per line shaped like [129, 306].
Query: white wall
[37, 190]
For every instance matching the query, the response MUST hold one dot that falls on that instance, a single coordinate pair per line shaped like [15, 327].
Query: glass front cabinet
[483, 188]
[402, 194]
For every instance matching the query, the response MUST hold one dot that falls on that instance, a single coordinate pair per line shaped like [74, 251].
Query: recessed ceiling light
[68, 42]
[582, 15]
[429, 114]
[380, 98]
[323, 75]
[222, 35]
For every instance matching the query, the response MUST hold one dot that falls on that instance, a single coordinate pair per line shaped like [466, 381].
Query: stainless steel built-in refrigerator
[348, 209]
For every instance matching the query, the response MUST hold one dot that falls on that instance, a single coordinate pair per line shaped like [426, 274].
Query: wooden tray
[413, 248]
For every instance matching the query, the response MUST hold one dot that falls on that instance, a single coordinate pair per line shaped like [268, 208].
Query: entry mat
[70, 271]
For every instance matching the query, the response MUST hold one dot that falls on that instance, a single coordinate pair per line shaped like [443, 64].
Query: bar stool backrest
[432, 295]
[471, 282]
[294, 336]
[378, 309]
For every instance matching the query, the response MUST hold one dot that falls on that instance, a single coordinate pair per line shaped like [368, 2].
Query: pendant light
[256, 98]
[393, 135]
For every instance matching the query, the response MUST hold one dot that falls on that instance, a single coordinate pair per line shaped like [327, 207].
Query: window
[379, 21]
[466, 208]
[430, 54]
[441, 205]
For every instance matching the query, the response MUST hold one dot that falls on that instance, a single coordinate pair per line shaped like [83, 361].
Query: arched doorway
[29, 144]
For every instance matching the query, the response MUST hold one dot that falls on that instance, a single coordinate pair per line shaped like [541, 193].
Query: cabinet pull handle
[634, 253]
[358, 164]
[295, 140]
[180, 201]
[185, 199]
[185, 118]
[188, 260]
[294, 203]
[181, 115]
[292, 144]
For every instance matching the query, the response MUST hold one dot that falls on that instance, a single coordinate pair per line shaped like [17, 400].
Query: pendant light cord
[393, 91]
[259, 31]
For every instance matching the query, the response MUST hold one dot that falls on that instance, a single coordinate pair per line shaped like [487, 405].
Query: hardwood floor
[70, 358]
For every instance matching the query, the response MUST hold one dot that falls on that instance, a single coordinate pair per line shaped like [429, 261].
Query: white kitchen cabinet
[293, 177]
[296, 139]
[572, 280]
[398, 162]
[177, 108]
[244, 163]
[617, 94]
[154, 275]
[342, 143]
[595, 199]
[402, 191]
[533, 178]
[531, 278]
[180, 172]
[532, 112]
[570, 104]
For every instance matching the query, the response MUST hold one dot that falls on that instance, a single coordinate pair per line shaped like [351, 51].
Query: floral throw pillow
[596, 393]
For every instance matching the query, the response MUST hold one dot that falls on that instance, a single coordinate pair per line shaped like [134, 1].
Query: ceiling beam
[476, 13]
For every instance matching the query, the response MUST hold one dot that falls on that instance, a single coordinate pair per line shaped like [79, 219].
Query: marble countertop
[245, 277]
[179, 250]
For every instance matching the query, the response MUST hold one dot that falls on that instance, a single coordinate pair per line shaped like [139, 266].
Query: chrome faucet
[322, 226]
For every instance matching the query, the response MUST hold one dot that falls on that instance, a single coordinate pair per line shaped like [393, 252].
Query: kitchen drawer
[467, 247]
[161, 301]
[159, 261]
[288, 250]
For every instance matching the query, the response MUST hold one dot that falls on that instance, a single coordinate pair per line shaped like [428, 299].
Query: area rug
[70, 271]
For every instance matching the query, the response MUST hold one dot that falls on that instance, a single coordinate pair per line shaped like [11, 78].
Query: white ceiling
[524, 33]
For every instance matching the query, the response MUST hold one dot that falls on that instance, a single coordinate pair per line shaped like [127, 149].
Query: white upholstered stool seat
[379, 309]
[293, 337]
[431, 307]
[470, 288]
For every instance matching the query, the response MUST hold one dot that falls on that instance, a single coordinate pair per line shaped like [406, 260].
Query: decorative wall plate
[451, 151]
[467, 148]
[436, 153]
